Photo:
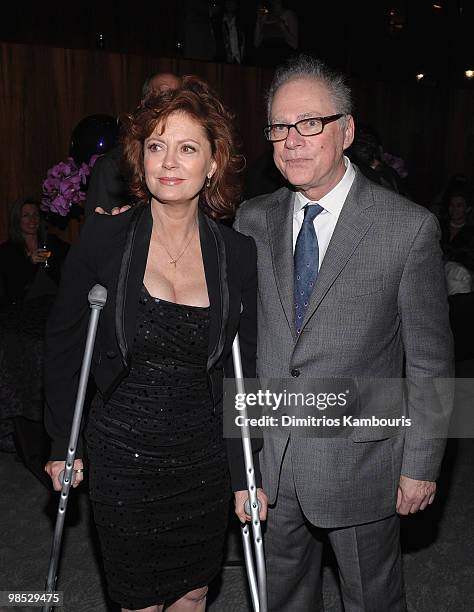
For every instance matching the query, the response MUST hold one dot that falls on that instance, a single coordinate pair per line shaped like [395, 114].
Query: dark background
[61, 62]
[377, 39]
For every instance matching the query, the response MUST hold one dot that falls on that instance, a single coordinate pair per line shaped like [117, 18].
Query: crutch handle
[97, 296]
[247, 506]
[61, 477]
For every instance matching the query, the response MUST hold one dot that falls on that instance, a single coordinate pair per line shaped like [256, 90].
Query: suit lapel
[280, 232]
[215, 269]
[132, 271]
[351, 227]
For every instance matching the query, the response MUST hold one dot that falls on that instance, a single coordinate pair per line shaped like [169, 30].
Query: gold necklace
[174, 260]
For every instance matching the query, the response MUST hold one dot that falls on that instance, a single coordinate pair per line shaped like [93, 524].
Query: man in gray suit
[350, 285]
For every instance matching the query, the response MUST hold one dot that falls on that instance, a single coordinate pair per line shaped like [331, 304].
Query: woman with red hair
[180, 284]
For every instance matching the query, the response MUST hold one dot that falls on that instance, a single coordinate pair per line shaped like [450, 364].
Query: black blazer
[113, 251]
[107, 187]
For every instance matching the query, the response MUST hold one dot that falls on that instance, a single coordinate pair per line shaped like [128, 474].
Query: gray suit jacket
[379, 309]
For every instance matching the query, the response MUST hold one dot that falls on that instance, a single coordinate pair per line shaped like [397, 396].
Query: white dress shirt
[332, 203]
[458, 278]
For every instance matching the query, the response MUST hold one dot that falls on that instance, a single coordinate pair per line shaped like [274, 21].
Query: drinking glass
[45, 252]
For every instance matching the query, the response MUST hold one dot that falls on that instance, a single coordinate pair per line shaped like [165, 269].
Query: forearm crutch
[257, 583]
[97, 298]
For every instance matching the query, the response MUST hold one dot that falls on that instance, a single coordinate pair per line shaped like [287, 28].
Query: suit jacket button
[295, 372]
[111, 354]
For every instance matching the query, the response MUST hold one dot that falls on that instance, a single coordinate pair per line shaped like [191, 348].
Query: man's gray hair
[307, 66]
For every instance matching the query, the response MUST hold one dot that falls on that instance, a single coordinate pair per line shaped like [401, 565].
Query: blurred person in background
[276, 33]
[26, 252]
[107, 187]
[27, 291]
[457, 235]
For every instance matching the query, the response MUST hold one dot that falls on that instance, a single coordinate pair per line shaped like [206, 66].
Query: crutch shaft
[260, 602]
[248, 555]
[97, 297]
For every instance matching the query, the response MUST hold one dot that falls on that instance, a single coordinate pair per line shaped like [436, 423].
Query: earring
[208, 182]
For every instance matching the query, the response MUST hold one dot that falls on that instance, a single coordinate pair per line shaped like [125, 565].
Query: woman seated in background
[457, 237]
[179, 286]
[26, 253]
[457, 242]
[27, 292]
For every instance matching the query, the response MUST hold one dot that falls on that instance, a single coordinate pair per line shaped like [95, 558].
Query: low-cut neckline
[158, 299]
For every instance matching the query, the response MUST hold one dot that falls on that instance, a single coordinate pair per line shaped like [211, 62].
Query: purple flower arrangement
[64, 185]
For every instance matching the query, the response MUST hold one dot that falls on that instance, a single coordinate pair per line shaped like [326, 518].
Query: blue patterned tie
[306, 263]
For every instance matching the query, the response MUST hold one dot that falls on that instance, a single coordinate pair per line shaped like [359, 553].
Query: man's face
[313, 164]
[162, 82]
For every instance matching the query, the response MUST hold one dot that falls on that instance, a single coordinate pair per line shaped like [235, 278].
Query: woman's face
[178, 161]
[29, 220]
[457, 209]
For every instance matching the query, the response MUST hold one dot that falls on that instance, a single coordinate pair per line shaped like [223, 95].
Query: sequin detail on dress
[159, 481]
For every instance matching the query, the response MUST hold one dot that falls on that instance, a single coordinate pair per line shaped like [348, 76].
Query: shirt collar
[334, 200]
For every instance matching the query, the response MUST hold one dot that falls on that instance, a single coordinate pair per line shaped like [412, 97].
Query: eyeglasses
[306, 127]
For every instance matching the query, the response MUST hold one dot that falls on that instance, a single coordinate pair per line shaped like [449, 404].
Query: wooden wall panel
[46, 91]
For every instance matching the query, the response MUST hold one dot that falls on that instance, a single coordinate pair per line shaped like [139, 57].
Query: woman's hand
[241, 497]
[38, 256]
[54, 469]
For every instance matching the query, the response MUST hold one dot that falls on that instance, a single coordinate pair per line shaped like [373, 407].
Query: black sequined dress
[159, 480]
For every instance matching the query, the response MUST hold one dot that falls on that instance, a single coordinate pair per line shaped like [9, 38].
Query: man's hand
[414, 495]
[117, 210]
[241, 497]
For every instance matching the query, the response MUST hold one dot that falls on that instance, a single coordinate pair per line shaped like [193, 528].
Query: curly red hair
[195, 98]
